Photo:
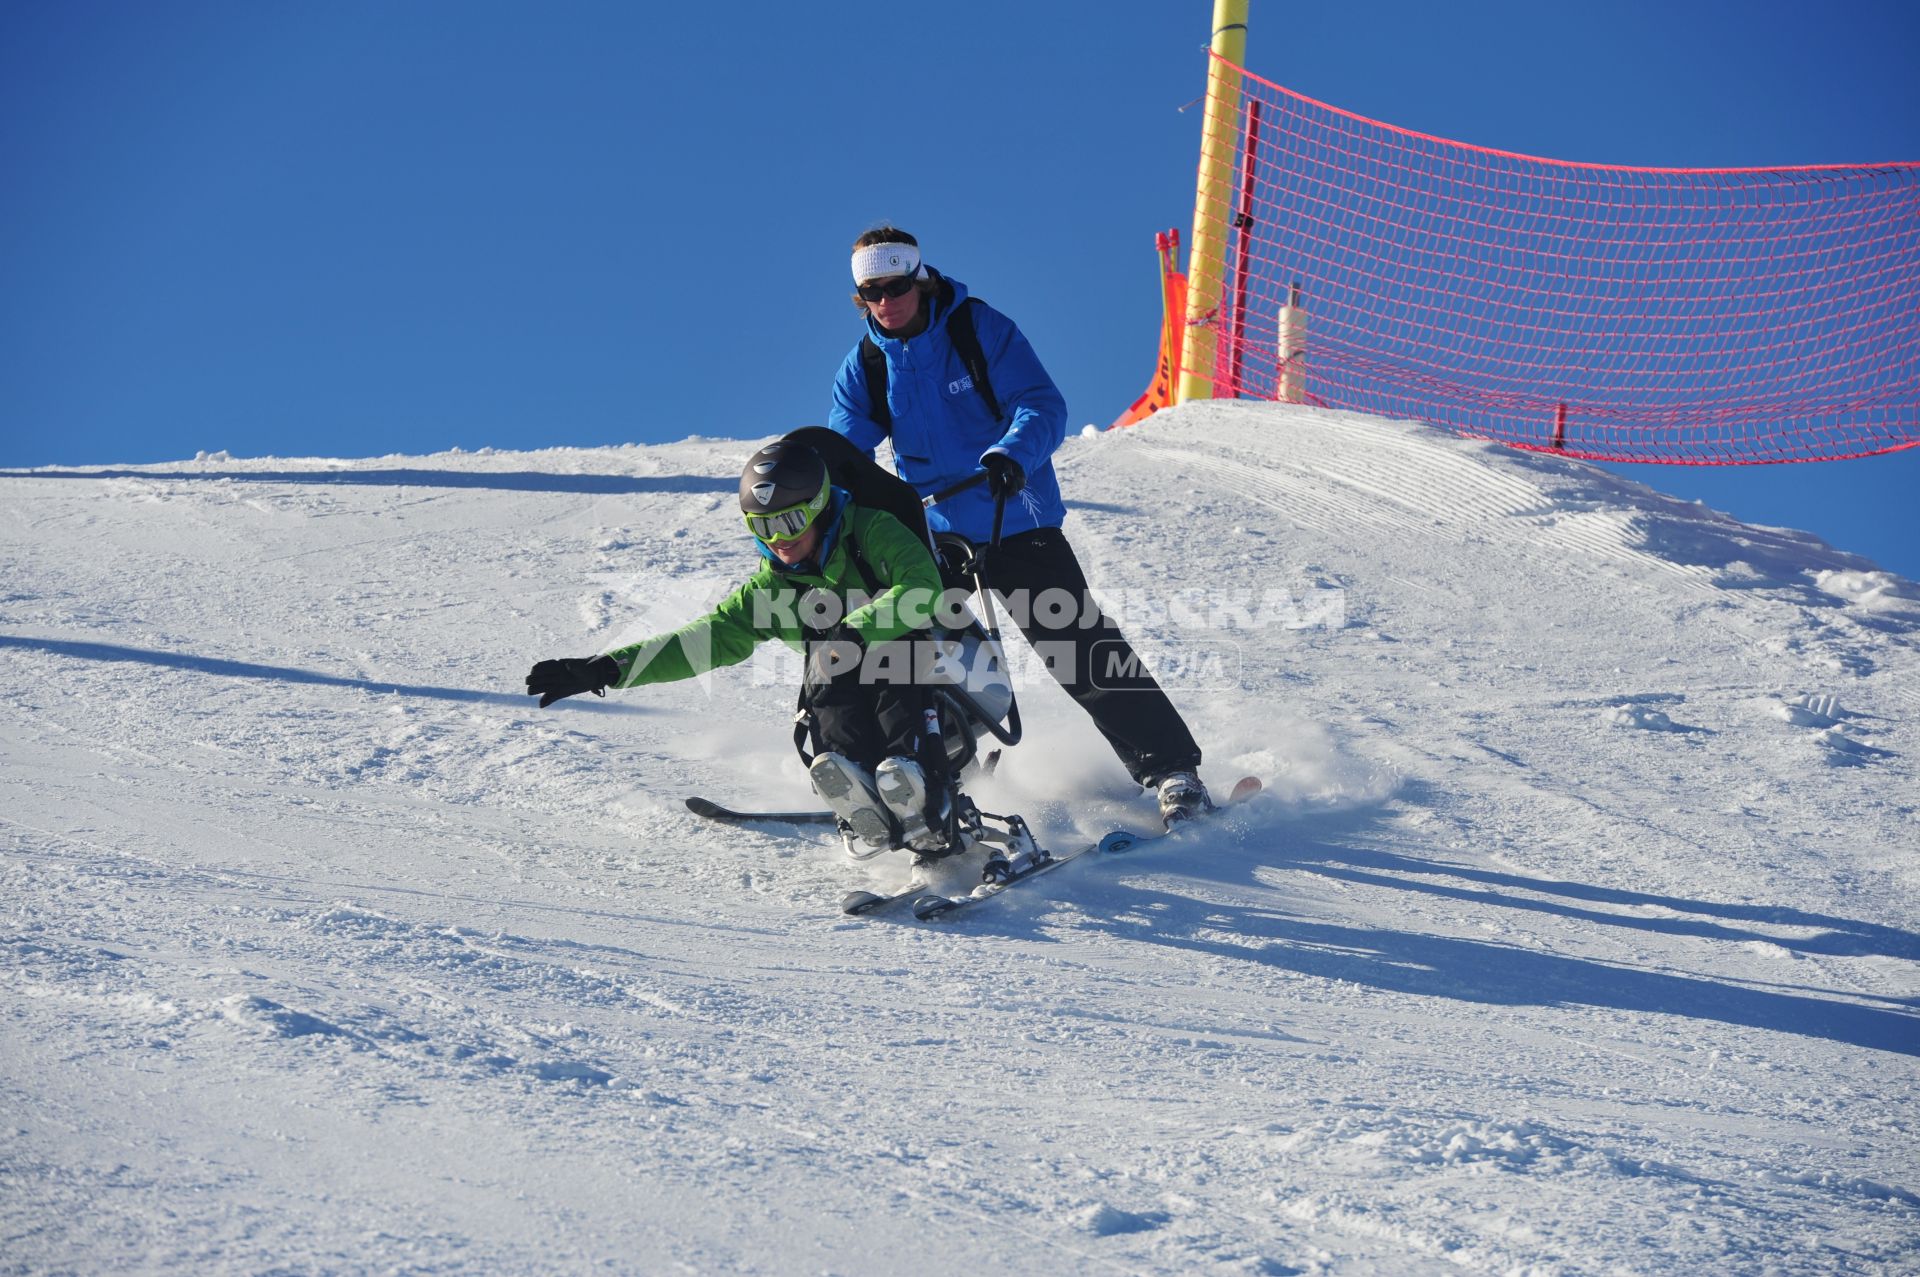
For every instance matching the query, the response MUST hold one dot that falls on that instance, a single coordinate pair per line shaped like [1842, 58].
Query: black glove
[571, 675]
[1005, 478]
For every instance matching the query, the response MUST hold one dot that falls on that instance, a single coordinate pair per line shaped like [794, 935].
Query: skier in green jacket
[854, 590]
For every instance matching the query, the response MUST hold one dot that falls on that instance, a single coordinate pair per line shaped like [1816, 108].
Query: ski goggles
[885, 289]
[789, 524]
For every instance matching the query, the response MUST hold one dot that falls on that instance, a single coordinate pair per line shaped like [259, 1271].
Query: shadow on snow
[514, 481]
[1490, 971]
[280, 673]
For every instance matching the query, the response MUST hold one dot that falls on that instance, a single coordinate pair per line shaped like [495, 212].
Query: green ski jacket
[779, 603]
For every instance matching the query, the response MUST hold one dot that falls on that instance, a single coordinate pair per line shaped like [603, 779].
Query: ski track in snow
[1575, 931]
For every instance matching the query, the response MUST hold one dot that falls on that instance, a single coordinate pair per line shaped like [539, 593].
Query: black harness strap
[805, 728]
[874, 364]
[966, 344]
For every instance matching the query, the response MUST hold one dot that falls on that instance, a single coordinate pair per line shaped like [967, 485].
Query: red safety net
[1688, 316]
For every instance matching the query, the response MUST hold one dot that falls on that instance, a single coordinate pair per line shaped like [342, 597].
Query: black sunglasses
[896, 286]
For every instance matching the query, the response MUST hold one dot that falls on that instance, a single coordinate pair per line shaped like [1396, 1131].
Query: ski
[727, 816]
[1125, 840]
[864, 902]
[933, 906]
[929, 905]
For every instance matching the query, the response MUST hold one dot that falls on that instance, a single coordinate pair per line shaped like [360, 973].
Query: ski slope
[1575, 932]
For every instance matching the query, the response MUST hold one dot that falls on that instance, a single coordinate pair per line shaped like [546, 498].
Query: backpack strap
[874, 364]
[966, 344]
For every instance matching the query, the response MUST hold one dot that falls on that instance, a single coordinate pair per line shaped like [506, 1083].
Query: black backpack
[966, 344]
[866, 480]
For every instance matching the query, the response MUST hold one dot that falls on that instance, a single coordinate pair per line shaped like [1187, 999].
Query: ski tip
[1119, 840]
[859, 901]
[1245, 788]
[704, 807]
[933, 906]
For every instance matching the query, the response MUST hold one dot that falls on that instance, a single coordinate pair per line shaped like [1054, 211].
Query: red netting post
[1242, 247]
[1172, 308]
[1174, 289]
[1560, 428]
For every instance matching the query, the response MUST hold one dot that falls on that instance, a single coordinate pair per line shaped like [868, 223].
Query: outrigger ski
[1119, 840]
[727, 816]
[854, 902]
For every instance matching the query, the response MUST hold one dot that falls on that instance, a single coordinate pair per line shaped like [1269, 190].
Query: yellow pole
[1212, 200]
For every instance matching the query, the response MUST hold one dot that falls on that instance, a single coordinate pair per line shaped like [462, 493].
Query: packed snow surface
[1575, 932]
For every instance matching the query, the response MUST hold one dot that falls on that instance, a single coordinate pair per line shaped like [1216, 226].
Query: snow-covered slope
[1577, 931]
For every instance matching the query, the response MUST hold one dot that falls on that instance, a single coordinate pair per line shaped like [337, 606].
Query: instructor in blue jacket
[914, 377]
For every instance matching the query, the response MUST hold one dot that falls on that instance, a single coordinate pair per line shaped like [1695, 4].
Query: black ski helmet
[783, 489]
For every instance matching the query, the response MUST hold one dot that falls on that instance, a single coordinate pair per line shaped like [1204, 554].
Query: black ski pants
[874, 710]
[1047, 597]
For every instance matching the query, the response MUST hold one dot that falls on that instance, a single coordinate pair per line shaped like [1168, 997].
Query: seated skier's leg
[920, 801]
[912, 777]
[850, 743]
[849, 790]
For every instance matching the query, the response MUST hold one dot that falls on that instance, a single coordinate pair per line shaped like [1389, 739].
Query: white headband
[877, 261]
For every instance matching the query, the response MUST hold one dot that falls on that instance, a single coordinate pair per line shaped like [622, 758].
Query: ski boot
[865, 827]
[902, 786]
[1182, 797]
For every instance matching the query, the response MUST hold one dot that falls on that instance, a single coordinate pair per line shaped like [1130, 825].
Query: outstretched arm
[725, 636]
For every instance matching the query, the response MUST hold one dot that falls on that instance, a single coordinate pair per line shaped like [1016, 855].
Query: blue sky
[356, 228]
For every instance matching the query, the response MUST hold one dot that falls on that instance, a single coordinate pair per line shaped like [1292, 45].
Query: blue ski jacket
[941, 426]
